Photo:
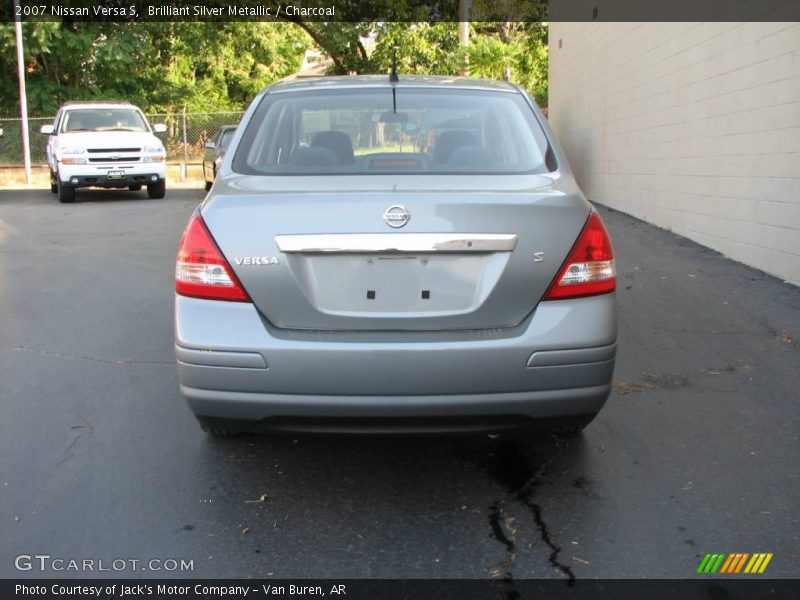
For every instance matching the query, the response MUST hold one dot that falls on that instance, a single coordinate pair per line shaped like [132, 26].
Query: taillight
[589, 268]
[201, 270]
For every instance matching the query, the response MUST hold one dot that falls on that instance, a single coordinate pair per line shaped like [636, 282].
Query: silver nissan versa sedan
[394, 256]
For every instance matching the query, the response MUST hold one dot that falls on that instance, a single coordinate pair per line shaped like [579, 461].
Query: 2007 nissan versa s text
[394, 255]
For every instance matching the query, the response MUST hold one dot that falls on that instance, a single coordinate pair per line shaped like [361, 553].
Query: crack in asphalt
[108, 361]
[83, 428]
[67, 455]
[511, 470]
[544, 533]
[495, 519]
[504, 582]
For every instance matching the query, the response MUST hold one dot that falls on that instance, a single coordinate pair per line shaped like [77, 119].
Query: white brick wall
[694, 127]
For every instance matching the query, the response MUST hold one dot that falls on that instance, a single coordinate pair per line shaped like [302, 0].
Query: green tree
[497, 50]
[159, 66]
[513, 50]
[163, 67]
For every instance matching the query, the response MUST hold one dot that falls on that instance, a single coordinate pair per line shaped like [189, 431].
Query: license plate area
[396, 284]
[116, 175]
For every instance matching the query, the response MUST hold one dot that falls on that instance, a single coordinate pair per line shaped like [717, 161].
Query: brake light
[589, 269]
[201, 270]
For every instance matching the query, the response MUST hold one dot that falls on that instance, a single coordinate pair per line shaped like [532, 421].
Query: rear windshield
[367, 131]
[103, 119]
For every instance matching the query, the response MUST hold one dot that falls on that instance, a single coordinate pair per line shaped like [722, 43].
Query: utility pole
[463, 31]
[23, 98]
[185, 168]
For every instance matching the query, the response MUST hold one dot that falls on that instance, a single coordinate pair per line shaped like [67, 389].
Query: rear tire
[157, 190]
[219, 432]
[208, 185]
[222, 428]
[53, 184]
[135, 188]
[66, 194]
[572, 426]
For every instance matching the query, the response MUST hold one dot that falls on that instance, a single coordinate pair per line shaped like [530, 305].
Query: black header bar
[399, 10]
[417, 589]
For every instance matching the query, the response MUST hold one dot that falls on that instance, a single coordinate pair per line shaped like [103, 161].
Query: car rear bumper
[91, 176]
[232, 364]
[385, 414]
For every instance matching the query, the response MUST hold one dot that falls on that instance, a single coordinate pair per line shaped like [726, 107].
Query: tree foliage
[221, 66]
[497, 50]
[159, 66]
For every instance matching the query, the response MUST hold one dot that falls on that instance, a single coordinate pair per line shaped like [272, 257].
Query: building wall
[694, 127]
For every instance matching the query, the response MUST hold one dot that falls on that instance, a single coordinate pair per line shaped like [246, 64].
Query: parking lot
[695, 452]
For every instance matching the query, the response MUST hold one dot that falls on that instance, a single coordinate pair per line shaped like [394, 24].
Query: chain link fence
[11, 141]
[184, 139]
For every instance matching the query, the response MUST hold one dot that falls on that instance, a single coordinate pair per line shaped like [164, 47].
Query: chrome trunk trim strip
[357, 243]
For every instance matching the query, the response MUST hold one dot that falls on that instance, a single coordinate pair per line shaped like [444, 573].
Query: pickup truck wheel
[208, 185]
[135, 188]
[157, 190]
[65, 193]
[53, 184]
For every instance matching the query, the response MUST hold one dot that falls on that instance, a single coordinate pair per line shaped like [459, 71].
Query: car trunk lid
[330, 257]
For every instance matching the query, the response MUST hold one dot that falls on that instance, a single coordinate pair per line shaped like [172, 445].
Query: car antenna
[393, 78]
[393, 75]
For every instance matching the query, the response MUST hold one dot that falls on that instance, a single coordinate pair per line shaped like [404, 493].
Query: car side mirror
[159, 128]
[210, 146]
[47, 129]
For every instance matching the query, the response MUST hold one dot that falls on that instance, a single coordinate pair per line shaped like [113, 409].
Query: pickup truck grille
[116, 159]
[107, 150]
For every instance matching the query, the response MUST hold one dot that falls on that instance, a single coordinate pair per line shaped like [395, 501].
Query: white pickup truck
[104, 144]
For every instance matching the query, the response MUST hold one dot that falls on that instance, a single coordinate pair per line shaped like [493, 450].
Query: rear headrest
[448, 141]
[471, 155]
[314, 157]
[338, 141]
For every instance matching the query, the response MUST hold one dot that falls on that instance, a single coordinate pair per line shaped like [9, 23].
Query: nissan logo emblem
[396, 216]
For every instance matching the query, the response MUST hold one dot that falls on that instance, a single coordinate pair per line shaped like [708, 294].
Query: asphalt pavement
[695, 452]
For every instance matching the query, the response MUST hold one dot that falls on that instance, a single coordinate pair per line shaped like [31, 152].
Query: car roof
[382, 81]
[97, 104]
